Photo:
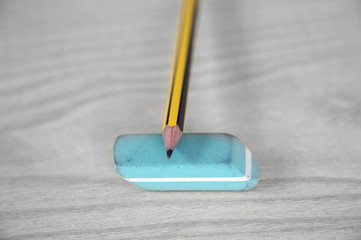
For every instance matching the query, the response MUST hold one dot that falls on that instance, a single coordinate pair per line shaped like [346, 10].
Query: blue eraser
[199, 162]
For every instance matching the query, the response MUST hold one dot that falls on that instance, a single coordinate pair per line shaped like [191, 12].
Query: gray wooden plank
[281, 75]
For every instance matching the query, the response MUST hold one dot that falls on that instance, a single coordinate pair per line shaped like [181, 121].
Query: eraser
[199, 162]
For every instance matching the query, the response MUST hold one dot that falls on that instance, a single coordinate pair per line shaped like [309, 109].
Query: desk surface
[284, 76]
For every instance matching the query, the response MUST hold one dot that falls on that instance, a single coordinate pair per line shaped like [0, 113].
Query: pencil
[176, 105]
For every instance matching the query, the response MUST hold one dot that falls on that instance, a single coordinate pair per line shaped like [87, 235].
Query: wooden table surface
[282, 75]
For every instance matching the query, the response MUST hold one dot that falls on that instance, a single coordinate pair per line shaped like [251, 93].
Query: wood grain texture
[284, 76]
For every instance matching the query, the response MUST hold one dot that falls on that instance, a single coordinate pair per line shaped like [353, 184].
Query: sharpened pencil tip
[169, 153]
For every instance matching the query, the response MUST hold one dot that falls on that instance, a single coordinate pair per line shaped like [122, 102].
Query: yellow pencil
[175, 111]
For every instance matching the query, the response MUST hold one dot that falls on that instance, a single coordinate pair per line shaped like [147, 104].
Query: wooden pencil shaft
[177, 97]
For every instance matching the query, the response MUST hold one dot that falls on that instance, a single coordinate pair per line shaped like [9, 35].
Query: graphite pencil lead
[169, 153]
